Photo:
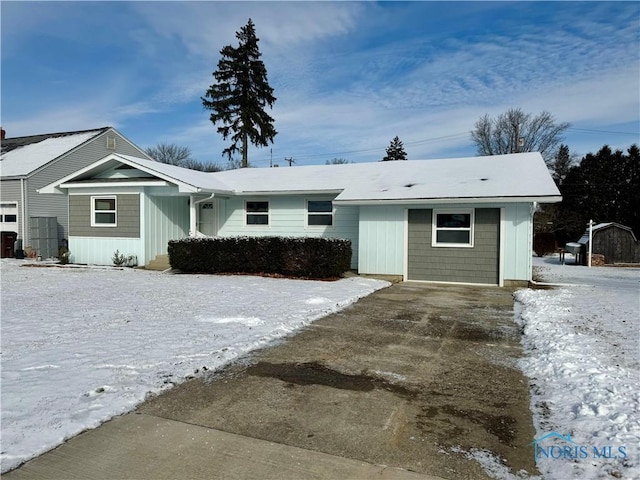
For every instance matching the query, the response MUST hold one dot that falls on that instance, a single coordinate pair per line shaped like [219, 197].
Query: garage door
[454, 245]
[9, 217]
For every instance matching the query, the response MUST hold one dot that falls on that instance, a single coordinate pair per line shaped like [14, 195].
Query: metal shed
[616, 242]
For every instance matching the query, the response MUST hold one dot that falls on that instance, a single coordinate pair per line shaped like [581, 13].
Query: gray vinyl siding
[477, 264]
[127, 211]
[56, 205]
[10, 193]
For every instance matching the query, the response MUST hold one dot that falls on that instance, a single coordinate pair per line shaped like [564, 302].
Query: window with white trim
[257, 213]
[104, 211]
[452, 228]
[319, 213]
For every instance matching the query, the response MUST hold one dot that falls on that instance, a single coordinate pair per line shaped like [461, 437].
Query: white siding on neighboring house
[288, 217]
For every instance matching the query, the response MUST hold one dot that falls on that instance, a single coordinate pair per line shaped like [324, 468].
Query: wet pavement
[402, 383]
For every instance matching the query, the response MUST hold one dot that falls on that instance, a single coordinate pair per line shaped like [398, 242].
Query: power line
[602, 131]
[376, 149]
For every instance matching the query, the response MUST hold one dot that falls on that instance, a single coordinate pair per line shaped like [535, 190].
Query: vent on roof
[111, 143]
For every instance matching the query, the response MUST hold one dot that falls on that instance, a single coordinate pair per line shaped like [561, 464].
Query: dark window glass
[454, 220]
[106, 218]
[320, 206]
[105, 203]
[452, 236]
[257, 207]
[320, 219]
[257, 220]
[10, 218]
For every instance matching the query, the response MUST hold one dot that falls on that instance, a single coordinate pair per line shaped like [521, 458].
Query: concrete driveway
[399, 385]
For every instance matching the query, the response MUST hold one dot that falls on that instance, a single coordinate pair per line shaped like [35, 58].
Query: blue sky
[348, 76]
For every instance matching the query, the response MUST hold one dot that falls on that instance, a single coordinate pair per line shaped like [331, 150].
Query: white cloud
[205, 27]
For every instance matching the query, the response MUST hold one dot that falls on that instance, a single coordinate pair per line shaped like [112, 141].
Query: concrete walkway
[138, 446]
[403, 384]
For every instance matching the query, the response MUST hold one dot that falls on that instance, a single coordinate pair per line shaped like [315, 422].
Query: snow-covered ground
[81, 345]
[582, 347]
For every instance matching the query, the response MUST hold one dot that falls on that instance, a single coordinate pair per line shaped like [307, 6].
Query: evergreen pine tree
[561, 164]
[240, 95]
[395, 151]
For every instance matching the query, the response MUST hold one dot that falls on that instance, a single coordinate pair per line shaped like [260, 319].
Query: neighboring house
[466, 220]
[616, 242]
[29, 163]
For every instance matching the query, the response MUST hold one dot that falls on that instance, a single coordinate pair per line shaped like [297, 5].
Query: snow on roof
[516, 175]
[500, 176]
[25, 159]
[197, 179]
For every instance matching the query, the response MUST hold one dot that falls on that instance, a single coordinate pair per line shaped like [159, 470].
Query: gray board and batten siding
[127, 217]
[478, 264]
[55, 205]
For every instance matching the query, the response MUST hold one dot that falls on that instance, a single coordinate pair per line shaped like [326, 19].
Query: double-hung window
[104, 211]
[452, 228]
[257, 213]
[319, 213]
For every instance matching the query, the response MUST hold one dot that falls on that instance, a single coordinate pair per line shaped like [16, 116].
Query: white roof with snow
[25, 159]
[514, 176]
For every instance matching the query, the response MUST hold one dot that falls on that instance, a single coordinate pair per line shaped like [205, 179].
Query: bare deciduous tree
[515, 131]
[179, 156]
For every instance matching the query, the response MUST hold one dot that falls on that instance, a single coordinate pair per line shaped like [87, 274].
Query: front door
[207, 224]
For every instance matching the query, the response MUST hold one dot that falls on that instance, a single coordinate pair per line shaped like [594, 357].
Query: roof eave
[450, 200]
[98, 184]
[263, 193]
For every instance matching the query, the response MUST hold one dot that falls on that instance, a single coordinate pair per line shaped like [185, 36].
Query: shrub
[118, 259]
[290, 256]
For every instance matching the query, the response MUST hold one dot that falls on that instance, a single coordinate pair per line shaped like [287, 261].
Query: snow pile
[582, 358]
[492, 465]
[80, 346]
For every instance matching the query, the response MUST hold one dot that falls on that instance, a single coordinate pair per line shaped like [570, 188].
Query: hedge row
[295, 257]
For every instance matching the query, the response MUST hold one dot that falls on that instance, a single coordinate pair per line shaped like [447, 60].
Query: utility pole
[290, 160]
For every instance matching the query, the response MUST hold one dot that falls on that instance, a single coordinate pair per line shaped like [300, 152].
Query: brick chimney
[2, 133]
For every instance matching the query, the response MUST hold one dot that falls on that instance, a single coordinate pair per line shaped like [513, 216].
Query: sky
[348, 76]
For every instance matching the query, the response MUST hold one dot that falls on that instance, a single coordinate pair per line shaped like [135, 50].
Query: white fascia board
[55, 187]
[14, 177]
[270, 193]
[456, 200]
[159, 183]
